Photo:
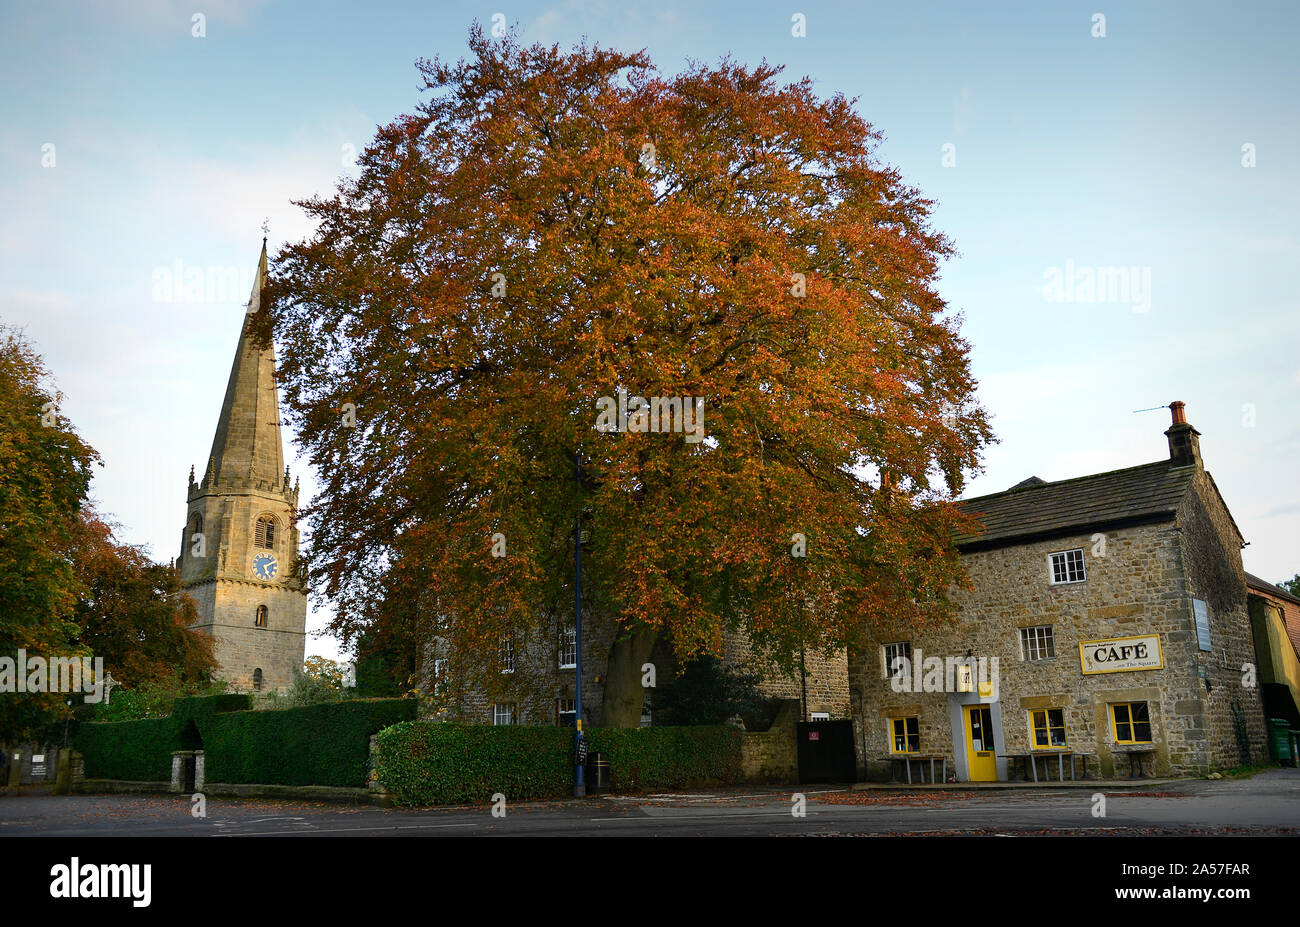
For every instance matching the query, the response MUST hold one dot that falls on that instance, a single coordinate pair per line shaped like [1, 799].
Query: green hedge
[669, 757]
[428, 763]
[201, 705]
[326, 744]
[423, 763]
[139, 751]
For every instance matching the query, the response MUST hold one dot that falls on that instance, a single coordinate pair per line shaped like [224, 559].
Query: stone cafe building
[1108, 626]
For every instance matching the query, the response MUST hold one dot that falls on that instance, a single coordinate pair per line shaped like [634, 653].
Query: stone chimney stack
[1184, 440]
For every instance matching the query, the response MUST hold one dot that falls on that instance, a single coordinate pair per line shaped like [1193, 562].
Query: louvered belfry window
[264, 536]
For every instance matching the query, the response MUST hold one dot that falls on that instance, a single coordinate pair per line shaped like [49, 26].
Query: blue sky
[1120, 156]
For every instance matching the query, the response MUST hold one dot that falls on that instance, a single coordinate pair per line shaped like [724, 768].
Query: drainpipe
[803, 683]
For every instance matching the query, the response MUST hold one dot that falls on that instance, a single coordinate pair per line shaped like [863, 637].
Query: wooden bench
[907, 758]
[1030, 760]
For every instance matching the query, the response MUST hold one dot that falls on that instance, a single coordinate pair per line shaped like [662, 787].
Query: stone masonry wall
[538, 682]
[227, 593]
[773, 755]
[826, 677]
[1231, 715]
[277, 650]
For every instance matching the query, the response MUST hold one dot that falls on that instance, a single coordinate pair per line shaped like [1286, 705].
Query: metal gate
[826, 752]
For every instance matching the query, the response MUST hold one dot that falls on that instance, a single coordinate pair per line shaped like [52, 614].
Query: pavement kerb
[1094, 784]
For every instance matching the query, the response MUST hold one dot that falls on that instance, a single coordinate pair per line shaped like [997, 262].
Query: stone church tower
[239, 547]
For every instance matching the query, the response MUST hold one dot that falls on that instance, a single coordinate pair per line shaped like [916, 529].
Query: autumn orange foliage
[549, 228]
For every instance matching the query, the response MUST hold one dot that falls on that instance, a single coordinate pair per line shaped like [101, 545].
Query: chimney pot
[1184, 443]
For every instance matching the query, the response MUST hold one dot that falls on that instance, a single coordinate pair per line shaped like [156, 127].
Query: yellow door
[980, 756]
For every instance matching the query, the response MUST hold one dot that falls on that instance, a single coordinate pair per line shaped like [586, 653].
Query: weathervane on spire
[266, 227]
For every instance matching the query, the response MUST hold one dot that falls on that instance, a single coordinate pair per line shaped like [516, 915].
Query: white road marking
[335, 830]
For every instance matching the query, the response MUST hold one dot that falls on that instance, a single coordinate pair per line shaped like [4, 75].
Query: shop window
[1048, 728]
[1037, 643]
[906, 735]
[1067, 566]
[1132, 722]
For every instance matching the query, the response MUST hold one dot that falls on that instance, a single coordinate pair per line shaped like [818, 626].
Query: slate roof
[1038, 511]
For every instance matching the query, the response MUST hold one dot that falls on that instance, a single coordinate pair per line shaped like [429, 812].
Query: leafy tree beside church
[67, 587]
[549, 232]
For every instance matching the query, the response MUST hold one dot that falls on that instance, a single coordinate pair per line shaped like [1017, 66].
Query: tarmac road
[1268, 803]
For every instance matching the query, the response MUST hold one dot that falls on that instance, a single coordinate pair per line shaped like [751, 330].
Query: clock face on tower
[265, 566]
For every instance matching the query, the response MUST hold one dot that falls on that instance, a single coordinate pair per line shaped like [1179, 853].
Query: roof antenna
[1152, 409]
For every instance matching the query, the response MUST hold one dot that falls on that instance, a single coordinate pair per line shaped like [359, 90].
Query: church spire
[247, 444]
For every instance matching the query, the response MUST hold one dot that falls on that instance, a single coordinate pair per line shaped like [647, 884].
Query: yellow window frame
[893, 734]
[1048, 727]
[1129, 722]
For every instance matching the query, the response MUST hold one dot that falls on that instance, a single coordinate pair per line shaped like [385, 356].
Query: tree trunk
[624, 694]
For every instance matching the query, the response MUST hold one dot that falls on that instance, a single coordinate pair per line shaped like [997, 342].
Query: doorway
[981, 754]
[826, 752]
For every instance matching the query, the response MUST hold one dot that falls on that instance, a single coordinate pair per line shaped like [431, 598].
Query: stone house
[538, 678]
[1108, 618]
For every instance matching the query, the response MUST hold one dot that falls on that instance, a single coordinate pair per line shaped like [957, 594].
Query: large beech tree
[549, 228]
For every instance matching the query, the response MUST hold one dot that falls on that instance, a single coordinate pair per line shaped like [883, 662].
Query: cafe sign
[1121, 655]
